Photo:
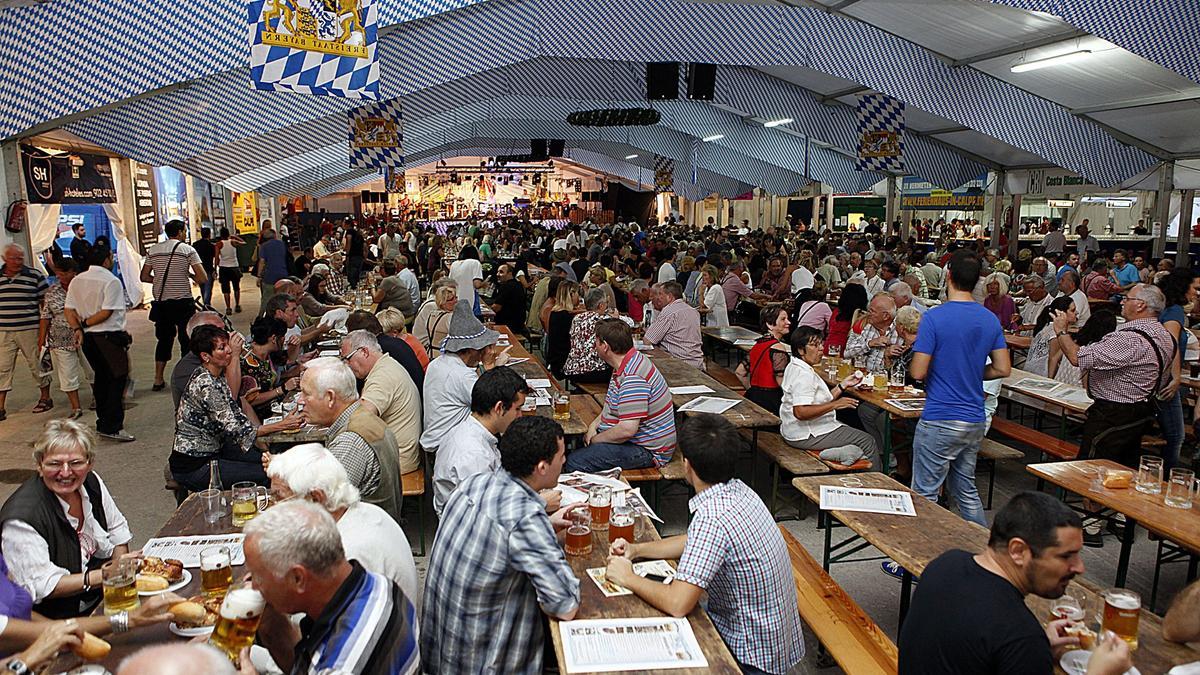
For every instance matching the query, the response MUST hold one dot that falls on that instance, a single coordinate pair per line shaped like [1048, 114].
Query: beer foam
[1123, 602]
[242, 603]
[214, 561]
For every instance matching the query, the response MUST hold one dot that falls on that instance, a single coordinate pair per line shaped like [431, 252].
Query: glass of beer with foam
[237, 624]
[246, 496]
[216, 571]
[1122, 609]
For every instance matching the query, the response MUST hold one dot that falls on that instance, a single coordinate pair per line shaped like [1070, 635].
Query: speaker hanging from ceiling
[662, 81]
[537, 148]
[557, 145]
[701, 80]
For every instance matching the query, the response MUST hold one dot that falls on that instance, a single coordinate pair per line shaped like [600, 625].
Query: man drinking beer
[355, 621]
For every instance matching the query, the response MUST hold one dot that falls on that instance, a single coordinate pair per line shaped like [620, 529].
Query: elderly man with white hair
[369, 535]
[22, 289]
[902, 294]
[178, 659]
[356, 621]
[877, 338]
[358, 437]
[388, 391]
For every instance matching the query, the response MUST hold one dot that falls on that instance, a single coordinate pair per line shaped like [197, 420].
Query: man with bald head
[179, 659]
[877, 336]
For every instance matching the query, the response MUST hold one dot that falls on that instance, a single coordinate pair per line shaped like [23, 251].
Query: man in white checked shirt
[732, 550]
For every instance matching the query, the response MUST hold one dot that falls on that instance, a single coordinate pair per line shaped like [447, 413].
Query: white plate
[1075, 662]
[187, 577]
[189, 632]
[89, 669]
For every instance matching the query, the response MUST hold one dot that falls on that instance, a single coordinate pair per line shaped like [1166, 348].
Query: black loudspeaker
[365, 197]
[537, 148]
[556, 147]
[701, 80]
[662, 81]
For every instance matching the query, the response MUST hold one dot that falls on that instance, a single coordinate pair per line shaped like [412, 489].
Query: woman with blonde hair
[558, 329]
[433, 319]
[391, 320]
[712, 298]
[998, 301]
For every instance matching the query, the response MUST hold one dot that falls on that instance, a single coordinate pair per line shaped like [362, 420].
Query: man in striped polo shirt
[636, 428]
[21, 291]
[166, 267]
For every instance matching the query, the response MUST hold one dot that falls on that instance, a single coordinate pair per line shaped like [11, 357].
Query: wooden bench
[723, 375]
[854, 641]
[784, 458]
[412, 484]
[1048, 445]
[991, 451]
[596, 390]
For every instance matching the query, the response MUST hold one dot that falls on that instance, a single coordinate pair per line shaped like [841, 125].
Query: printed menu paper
[187, 549]
[867, 500]
[597, 645]
[538, 383]
[708, 404]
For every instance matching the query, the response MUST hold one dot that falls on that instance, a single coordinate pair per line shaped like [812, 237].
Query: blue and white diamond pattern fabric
[323, 47]
[664, 173]
[377, 135]
[880, 133]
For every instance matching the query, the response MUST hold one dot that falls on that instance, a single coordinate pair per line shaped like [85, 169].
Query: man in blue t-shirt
[950, 355]
[1123, 274]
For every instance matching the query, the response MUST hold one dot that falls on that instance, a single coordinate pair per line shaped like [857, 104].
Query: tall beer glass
[241, 611]
[1122, 609]
[246, 496]
[120, 587]
[216, 572]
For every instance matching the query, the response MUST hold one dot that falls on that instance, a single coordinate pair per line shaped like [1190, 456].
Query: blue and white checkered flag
[880, 134]
[324, 47]
[664, 174]
[377, 135]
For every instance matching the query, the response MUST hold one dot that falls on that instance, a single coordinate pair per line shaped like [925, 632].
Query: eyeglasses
[351, 354]
[73, 465]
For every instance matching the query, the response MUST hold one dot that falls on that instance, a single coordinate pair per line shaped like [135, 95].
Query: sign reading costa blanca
[291, 42]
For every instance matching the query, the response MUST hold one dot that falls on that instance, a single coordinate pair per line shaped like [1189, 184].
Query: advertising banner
[245, 212]
[145, 206]
[377, 136]
[323, 47]
[918, 194]
[880, 133]
[67, 178]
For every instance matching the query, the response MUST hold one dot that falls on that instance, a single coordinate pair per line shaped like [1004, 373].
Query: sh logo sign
[39, 172]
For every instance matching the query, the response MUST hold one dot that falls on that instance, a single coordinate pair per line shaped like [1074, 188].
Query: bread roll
[1087, 637]
[149, 583]
[188, 613]
[1118, 479]
[92, 648]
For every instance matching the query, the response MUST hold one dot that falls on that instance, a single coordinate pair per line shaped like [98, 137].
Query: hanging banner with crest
[664, 174]
[880, 133]
[323, 47]
[393, 181]
[377, 136]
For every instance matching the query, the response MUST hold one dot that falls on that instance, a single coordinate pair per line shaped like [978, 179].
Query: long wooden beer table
[188, 520]
[593, 605]
[679, 373]
[914, 542]
[582, 411]
[1181, 526]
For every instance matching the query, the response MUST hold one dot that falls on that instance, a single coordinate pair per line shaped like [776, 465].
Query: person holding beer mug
[969, 613]
[62, 525]
[294, 554]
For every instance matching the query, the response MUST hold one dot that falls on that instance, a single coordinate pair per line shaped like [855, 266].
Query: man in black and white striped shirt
[21, 292]
[167, 265]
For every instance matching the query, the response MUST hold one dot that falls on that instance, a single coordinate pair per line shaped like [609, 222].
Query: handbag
[155, 304]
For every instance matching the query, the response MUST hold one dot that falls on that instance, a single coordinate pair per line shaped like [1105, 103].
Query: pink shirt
[815, 314]
[676, 328]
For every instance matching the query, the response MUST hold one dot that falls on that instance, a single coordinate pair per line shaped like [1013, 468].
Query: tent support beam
[1162, 206]
[1192, 95]
[1020, 47]
[1184, 253]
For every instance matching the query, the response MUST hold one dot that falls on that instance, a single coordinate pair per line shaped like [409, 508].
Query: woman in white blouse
[62, 525]
[712, 300]
[808, 415]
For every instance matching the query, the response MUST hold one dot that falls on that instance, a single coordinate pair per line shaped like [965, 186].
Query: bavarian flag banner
[324, 47]
[664, 174]
[377, 136]
[880, 133]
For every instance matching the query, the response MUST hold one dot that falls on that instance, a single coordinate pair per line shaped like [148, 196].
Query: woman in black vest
[60, 526]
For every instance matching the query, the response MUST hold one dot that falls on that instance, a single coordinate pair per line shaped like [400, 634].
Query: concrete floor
[134, 474]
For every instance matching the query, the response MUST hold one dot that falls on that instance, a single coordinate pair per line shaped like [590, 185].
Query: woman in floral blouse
[55, 333]
[583, 363]
[210, 424]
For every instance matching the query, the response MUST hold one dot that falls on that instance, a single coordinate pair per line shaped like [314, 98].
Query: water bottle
[214, 482]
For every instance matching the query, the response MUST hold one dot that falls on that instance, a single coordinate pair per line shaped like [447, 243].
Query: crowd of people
[422, 381]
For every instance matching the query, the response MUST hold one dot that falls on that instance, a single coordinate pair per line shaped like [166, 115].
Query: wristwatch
[17, 666]
[1060, 333]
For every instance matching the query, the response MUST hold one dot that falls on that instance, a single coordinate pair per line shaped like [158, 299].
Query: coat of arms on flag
[322, 47]
[880, 133]
[393, 180]
[377, 136]
[664, 173]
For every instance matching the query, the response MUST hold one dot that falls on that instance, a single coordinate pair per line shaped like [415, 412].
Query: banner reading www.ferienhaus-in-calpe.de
[324, 47]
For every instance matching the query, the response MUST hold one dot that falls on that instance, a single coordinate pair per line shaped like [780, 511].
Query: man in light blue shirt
[1124, 274]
